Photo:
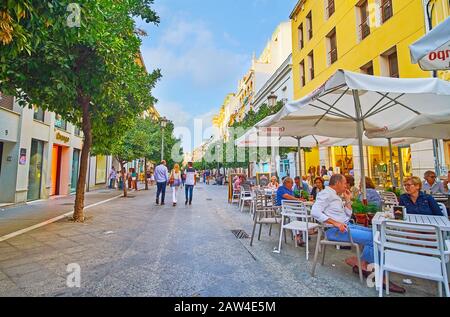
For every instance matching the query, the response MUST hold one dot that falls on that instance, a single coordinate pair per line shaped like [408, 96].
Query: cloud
[188, 50]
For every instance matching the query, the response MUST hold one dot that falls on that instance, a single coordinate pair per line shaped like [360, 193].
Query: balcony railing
[332, 56]
[364, 30]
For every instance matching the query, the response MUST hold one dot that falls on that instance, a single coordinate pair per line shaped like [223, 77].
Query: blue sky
[203, 48]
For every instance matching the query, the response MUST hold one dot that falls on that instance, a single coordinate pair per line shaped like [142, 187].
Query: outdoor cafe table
[442, 222]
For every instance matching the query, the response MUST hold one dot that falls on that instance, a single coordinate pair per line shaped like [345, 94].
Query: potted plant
[364, 213]
[396, 191]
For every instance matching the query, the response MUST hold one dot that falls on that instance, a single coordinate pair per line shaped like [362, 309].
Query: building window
[364, 25]
[332, 47]
[311, 65]
[38, 114]
[77, 130]
[6, 102]
[309, 25]
[302, 74]
[393, 65]
[367, 69]
[60, 123]
[386, 10]
[330, 8]
[301, 42]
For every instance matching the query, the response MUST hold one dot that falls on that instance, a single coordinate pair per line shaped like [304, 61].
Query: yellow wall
[405, 27]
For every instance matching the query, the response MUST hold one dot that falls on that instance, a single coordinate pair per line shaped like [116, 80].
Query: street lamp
[272, 99]
[163, 123]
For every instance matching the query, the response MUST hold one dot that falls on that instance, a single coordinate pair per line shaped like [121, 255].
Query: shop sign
[62, 137]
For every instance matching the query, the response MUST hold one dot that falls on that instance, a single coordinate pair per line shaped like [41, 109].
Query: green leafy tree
[87, 74]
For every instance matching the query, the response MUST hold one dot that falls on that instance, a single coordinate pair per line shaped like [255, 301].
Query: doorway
[35, 171]
[75, 167]
[56, 170]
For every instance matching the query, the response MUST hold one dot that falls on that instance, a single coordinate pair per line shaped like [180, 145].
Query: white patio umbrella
[350, 103]
[432, 51]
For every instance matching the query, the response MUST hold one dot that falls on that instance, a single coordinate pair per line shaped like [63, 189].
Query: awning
[432, 51]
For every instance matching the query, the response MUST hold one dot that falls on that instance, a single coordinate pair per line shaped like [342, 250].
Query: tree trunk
[125, 179]
[84, 102]
[145, 174]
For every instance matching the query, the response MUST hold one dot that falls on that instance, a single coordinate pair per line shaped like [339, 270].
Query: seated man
[431, 186]
[330, 210]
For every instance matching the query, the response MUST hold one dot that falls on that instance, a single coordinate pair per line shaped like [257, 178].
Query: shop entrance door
[75, 167]
[35, 171]
[56, 170]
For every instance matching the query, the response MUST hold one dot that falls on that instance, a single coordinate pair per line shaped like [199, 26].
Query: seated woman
[417, 202]
[273, 183]
[372, 195]
[319, 185]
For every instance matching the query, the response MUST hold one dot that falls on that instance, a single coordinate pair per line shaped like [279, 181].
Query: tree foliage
[87, 74]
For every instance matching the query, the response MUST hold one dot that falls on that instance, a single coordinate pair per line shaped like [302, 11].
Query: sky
[203, 48]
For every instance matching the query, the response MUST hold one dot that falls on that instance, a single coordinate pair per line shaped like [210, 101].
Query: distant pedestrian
[161, 178]
[175, 182]
[112, 178]
[134, 177]
[191, 181]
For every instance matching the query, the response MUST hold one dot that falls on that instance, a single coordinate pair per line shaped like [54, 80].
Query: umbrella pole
[360, 128]
[299, 140]
[400, 162]
[391, 165]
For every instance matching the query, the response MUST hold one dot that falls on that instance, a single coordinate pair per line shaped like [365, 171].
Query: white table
[442, 222]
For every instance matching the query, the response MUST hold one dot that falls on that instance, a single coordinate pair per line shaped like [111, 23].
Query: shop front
[312, 161]
[341, 158]
[379, 164]
[60, 164]
[100, 170]
[35, 170]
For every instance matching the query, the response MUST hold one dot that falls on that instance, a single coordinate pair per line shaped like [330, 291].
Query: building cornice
[296, 8]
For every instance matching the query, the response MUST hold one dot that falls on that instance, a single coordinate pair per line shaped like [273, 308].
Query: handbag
[171, 179]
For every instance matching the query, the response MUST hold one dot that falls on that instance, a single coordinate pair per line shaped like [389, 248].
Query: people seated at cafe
[372, 195]
[239, 180]
[319, 185]
[286, 192]
[273, 183]
[432, 186]
[351, 186]
[301, 185]
[416, 201]
[330, 209]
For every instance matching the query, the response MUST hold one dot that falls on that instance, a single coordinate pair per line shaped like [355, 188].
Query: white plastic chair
[389, 199]
[246, 196]
[236, 195]
[443, 209]
[412, 249]
[296, 210]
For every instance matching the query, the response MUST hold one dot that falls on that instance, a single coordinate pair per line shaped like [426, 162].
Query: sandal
[366, 274]
[393, 288]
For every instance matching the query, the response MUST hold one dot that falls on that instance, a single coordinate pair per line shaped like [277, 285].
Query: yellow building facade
[371, 37]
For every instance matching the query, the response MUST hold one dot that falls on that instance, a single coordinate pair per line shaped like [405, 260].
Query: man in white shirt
[191, 180]
[432, 186]
[331, 209]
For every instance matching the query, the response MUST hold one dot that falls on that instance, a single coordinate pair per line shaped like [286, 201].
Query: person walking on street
[175, 182]
[191, 181]
[112, 178]
[161, 178]
[134, 177]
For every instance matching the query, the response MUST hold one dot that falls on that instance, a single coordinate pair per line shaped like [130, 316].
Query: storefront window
[342, 159]
[312, 161]
[35, 171]
[379, 164]
[75, 168]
